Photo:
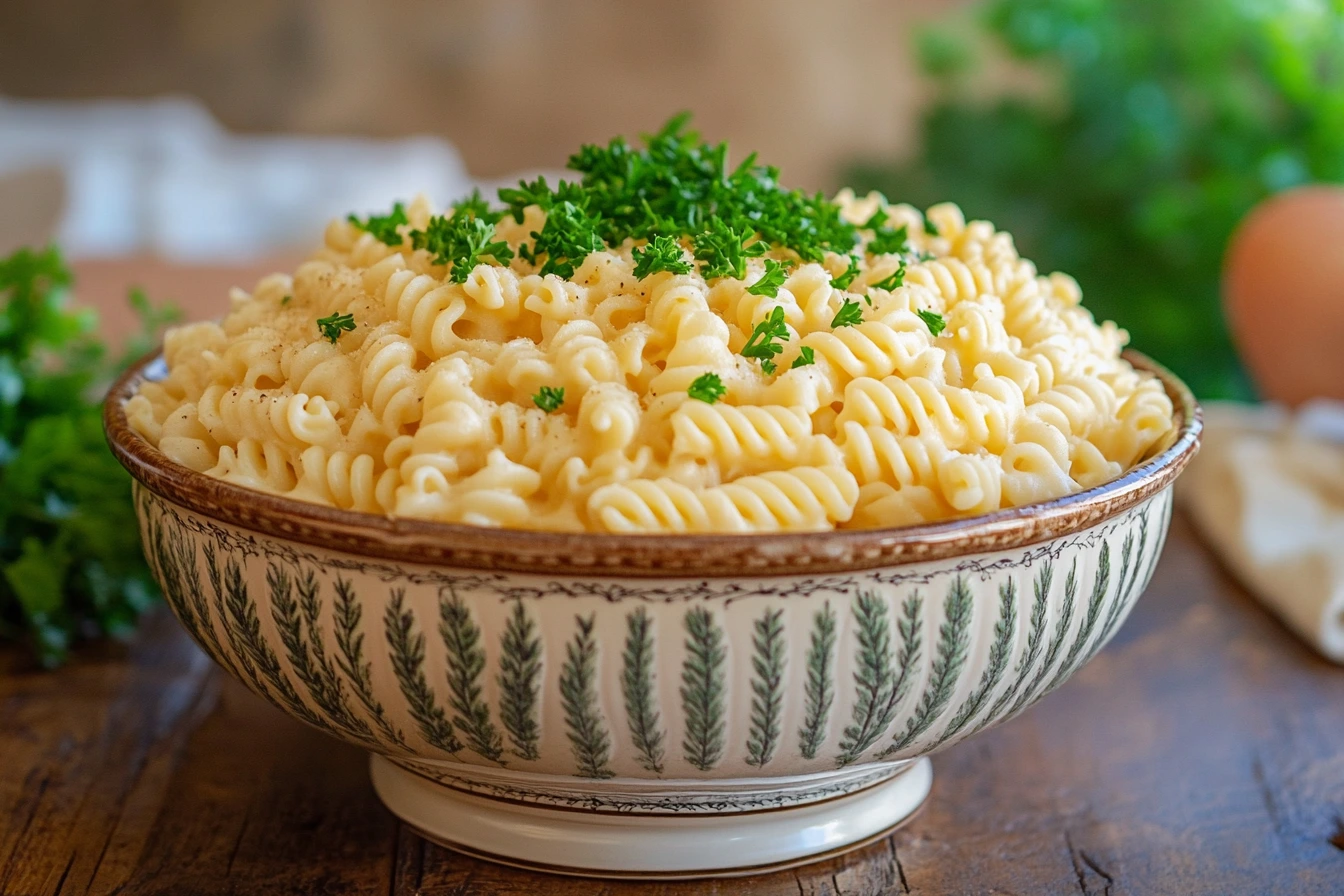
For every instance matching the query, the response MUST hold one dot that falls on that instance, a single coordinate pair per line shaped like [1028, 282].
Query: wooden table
[1201, 753]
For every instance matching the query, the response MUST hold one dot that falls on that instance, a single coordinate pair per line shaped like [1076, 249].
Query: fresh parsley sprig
[762, 344]
[769, 283]
[383, 228]
[476, 206]
[725, 250]
[333, 325]
[549, 398]
[662, 254]
[894, 280]
[569, 235]
[806, 357]
[849, 315]
[707, 387]
[933, 320]
[890, 242]
[844, 280]
[462, 241]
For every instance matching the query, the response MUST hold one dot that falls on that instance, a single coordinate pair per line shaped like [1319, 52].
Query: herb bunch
[70, 559]
[1160, 126]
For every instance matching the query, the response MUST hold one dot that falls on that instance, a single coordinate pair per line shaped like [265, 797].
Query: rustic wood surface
[1201, 753]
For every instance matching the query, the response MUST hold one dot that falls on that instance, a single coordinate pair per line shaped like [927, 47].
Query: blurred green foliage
[1160, 124]
[70, 559]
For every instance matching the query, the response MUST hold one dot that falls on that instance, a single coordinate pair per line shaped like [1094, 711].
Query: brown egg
[1283, 292]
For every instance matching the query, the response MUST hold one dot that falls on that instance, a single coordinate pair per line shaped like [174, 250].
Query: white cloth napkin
[1267, 490]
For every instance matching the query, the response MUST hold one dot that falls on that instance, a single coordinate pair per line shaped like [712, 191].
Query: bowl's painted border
[589, 554]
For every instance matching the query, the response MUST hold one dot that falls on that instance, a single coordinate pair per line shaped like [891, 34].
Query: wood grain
[1201, 753]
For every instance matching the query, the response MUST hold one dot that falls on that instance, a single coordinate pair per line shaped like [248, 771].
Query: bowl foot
[597, 844]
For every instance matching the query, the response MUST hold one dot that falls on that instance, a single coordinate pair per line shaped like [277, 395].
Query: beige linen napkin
[1267, 490]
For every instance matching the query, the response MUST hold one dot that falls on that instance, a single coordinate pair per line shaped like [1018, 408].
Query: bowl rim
[601, 554]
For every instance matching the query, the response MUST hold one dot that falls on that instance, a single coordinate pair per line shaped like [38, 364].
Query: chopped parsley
[725, 251]
[849, 315]
[331, 327]
[565, 240]
[935, 321]
[844, 280]
[805, 357]
[889, 242]
[877, 220]
[674, 185]
[707, 387]
[929, 227]
[286, 300]
[762, 345]
[383, 227]
[476, 206]
[770, 282]
[663, 253]
[462, 241]
[895, 280]
[549, 398]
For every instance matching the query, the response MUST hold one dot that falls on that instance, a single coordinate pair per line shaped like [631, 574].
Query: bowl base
[656, 847]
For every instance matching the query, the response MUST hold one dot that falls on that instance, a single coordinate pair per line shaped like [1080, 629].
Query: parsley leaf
[929, 227]
[876, 221]
[663, 253]
[805, 357]
[844, 280]
[566, 239]
[761, 344]
[770, 282]
[935, 321]
[707, 388]
[549, 398]
[895, 280]
[889, 242]
[383, 227]
[725, 250]
[331, 327]
[849, 315]
[461, 241]
[476, 206]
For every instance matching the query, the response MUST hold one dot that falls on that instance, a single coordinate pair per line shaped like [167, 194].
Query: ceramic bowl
[648, 705]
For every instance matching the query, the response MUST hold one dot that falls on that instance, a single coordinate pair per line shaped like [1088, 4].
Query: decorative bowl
[663, 706]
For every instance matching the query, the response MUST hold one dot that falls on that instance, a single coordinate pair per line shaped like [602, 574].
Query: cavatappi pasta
[429, 407]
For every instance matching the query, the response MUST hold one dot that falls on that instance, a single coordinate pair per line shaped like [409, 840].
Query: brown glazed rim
[592, 553]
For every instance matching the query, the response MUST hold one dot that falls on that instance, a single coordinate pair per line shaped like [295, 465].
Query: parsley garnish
[761, 345]
[935, 321]
[463, 241]
[286, 300]
[878, 218]
[549, 398]
[383, 227]
[663, 253]
[476, 206]
[849, 315]
[332, 327]
[566, 239]
[895, 280]
[770, 282]
[929, 227]
[707, 387]
[889, 242]
[844, 280]
[725, 251]
[805, 357]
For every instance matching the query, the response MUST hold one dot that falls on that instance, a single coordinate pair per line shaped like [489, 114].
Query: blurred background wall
[514, 84]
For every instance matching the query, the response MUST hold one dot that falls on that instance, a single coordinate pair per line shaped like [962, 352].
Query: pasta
[584, 393]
